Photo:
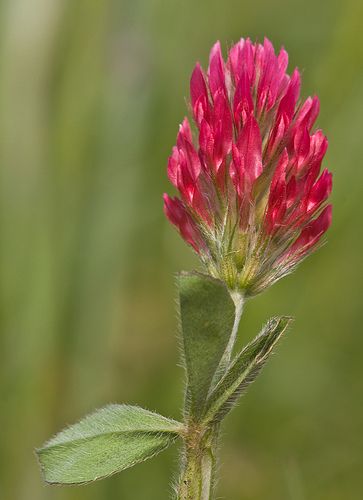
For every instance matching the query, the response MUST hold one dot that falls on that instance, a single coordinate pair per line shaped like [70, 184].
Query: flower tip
[326, 217]
[267, 45]
[197, 85]
[167, 204]
[185, 132]
[296, 77]
[216, 49]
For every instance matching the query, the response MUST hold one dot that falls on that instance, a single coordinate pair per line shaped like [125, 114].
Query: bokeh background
[91, 95]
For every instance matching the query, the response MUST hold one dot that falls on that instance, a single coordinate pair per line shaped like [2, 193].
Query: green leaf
[107, 441]
[244, 369]
[207, 314]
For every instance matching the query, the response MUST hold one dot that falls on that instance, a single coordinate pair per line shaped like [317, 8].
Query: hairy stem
[198, 464]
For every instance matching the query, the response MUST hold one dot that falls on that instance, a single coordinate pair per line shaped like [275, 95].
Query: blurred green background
[91, 95]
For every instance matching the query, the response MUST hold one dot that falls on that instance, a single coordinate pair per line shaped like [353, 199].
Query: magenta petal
[222, 127]
[242, 102]
[319, 146]
[267, 76]
[291, 192]
[241, 58]
[174, 209]
[248, 58]
[201, 110]
[184, 143]
[199, 95]
[234, 62]
[186, 184]
[283, 60]
[249, 146]
[173, 165]
[280, 171]
[313, 232]
[197, 85]
[308, 113]
[237, 172]
[277, 134]
[206, 139]
[179, 216]
[276, 206]
[184, 134]
[273, 79]
[320, 191]
[301, 145]
[216, 77]
[288, 102]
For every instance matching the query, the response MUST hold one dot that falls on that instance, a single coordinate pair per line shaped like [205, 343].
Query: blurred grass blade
[244, 369]
[207, 315]
[107, 441]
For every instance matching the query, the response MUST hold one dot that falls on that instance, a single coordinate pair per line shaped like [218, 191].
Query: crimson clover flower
[253, 202]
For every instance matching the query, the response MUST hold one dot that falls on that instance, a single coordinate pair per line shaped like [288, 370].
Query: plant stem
[239, 301]
[197, 477]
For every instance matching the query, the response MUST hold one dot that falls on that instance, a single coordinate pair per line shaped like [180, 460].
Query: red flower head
[252, 203]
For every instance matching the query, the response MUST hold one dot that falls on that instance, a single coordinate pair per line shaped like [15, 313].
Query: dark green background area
[91, 95]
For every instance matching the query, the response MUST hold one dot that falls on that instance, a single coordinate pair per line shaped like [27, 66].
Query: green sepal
[207, 314]
[107, 441]
[244, 369]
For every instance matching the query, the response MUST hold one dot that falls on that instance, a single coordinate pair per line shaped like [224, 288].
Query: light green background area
[91, 95]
